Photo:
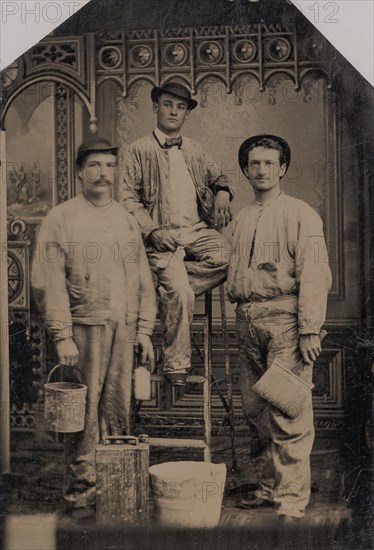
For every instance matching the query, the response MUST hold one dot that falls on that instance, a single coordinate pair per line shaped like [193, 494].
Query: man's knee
[177, 288]
[216, 255]
[214, 250]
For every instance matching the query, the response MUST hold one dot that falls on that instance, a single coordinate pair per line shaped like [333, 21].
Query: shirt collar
[161, 136]
[263, 204]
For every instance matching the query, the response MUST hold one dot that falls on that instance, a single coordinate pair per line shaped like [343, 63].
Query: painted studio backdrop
[277, 76]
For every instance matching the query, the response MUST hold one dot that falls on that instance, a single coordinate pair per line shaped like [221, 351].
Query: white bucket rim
[202, 469]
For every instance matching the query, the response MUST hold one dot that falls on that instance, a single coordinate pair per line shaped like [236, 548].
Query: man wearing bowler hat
[93, 285]
[180, 199]
[279, 277]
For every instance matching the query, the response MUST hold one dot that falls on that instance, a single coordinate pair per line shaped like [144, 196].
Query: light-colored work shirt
[90, 267]
[183, 198]
[278, 249]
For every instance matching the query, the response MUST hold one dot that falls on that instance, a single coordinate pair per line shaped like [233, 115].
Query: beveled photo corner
[187, 298]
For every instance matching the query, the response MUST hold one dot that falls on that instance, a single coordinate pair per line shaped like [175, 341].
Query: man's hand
[222, 214]
[310, 347]
[144, 349]
[162, 240]
[67, 352]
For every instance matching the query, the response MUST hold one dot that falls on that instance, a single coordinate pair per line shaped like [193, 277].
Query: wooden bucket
[64, 404]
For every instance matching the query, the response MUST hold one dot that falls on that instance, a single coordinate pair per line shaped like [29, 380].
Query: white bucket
[188, 494]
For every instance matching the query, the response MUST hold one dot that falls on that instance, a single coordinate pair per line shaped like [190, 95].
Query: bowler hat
[95, 144]
[176, 89]
[252, 141]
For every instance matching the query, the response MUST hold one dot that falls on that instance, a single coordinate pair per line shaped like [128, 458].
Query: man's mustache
[101, 180]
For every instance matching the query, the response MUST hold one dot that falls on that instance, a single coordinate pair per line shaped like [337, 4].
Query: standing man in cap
[279, 277]
[180, 199]
[93, 285]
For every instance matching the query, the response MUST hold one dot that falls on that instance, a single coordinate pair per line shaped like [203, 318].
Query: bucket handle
[130, 439]
[61, 365]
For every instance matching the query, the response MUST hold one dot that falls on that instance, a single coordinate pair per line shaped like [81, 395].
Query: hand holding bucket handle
[67, 352]
[298, 369]
[62, 365]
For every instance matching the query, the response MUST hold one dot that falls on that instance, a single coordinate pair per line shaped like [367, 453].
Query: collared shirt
[278, 249]
[183, 198]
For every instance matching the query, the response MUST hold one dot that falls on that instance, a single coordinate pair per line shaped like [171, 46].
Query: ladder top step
[193, 378]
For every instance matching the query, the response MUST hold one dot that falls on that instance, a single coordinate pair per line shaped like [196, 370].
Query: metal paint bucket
[64, 404]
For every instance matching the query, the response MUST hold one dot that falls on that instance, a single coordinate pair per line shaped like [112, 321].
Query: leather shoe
[252, 502]
[176, 378]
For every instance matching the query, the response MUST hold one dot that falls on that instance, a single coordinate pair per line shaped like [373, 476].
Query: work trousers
[106, 354]
[267, 331]
[179, 281]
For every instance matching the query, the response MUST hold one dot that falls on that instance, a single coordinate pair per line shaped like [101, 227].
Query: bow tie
[172, 142]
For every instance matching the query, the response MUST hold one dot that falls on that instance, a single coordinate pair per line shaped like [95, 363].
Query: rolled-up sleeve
[215, 179]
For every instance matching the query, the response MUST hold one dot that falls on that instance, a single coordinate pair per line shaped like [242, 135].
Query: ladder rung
[166, 442]
[193, 378]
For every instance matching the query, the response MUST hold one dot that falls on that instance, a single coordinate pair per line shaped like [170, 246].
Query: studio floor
[33, 516]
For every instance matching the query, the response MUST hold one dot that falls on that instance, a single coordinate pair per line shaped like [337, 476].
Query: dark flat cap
[95, 144]
[176, 89]
[252, 141]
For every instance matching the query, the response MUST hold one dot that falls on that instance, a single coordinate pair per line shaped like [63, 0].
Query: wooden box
[122, 480]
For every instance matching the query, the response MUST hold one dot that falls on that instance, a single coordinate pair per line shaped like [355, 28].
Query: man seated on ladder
[176, 193]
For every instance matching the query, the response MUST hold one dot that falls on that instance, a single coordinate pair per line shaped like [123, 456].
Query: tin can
[122, 480]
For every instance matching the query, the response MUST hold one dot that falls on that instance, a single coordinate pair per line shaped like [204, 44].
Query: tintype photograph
[186, 278]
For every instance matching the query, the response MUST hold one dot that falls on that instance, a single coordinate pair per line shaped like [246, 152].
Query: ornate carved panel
[58, 55]
[329, 382]
[28, 366]
[64, 143]
[190, 54]
[193, 54]
[18, 275]
[18, 265]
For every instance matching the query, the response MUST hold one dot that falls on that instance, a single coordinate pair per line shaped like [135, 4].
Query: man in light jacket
[180, 199]
[93, 284]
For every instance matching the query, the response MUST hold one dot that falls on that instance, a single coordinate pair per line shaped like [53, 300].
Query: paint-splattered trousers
[179, 281]
[106, 354]
[267, 331]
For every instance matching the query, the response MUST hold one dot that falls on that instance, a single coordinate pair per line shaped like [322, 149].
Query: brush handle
[298, 369]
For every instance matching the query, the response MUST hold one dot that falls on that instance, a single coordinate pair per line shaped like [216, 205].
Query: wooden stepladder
[206, 443]
[207, 380]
